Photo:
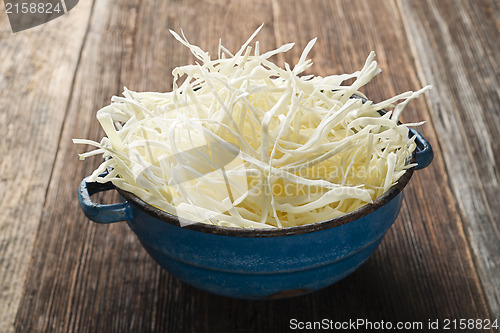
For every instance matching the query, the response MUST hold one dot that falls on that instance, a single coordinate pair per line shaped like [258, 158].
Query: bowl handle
[101, 213]
[424, 150]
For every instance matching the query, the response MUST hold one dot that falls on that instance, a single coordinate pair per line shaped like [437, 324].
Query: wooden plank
[87, 277]
[456, 44]
[36, 73]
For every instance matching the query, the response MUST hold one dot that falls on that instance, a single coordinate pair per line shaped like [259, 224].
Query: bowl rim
[356, 214]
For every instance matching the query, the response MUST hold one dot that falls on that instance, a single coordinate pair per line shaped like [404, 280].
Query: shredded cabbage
[241, 142]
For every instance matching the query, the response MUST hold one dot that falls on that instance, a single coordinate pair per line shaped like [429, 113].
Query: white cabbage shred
[241, 142]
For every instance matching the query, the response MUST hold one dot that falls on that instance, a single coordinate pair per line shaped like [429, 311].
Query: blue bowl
[257, 263]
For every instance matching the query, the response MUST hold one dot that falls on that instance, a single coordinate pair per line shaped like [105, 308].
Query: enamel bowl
[258, 263]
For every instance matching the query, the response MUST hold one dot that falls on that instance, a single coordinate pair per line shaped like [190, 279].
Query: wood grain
[97, 278]
[36, 73]
[456, 44]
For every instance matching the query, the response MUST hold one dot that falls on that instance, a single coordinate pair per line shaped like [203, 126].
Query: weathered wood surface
[456, 45]
[87, 277]
[36, 73]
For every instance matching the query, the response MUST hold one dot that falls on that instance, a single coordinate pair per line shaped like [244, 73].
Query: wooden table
[61, 273]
